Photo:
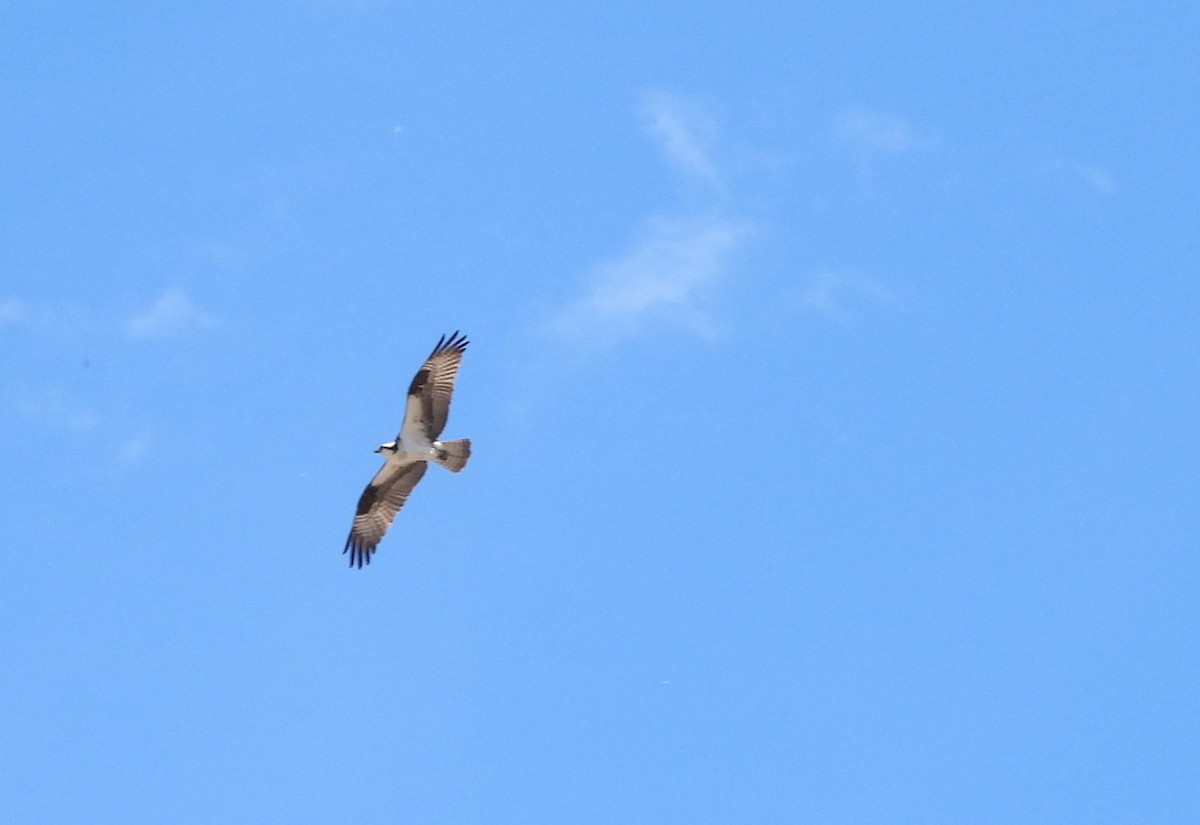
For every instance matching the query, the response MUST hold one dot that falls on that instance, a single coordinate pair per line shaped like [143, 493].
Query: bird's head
[387, 447]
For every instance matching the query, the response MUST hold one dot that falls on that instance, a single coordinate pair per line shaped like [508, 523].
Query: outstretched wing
[429, 393]
[377, 507]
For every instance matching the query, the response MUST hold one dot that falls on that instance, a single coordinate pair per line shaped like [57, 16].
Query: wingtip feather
[455, 340]
[359, 555]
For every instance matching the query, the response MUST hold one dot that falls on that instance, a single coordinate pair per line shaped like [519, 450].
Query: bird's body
[407, 456]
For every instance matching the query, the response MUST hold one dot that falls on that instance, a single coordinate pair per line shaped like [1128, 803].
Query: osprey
[406, 458]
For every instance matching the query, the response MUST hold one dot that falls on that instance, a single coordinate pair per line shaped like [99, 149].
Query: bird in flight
[408, 456]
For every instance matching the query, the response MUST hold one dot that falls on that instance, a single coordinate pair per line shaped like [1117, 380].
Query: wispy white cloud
[877, 133]
[58, 320]
[663, 277]
[686, 131]
[1094, 177]
[172, 314]
[678, 260]
[871, 137]
[132, 449]
[52, 408]
[12, 312]
[1097, 178]
[837, 295]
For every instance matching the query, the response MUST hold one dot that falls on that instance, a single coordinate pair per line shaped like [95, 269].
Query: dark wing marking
[377, 507]
[429, 393]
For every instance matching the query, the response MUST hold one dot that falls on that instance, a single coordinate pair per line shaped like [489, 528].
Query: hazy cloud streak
[53, 408]
[662, 276]
[685, 131]
[12, 312]
[172, 314]
[876, 133]
[665, 274]
[834, 294]
[1094, 177]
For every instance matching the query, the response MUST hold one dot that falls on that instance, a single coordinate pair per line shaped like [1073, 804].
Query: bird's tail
[453, 455]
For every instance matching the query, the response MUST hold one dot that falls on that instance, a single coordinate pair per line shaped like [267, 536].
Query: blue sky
[833, 390]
